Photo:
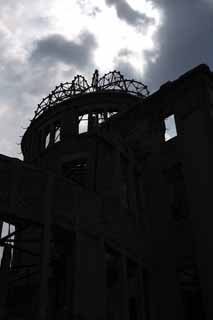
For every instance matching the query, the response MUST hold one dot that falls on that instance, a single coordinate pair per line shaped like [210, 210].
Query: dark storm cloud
[128, 14]
[55, 48]
[184, 40]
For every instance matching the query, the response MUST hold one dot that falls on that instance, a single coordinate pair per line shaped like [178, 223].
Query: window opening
[76, 170]
[57, 133]
[47, 138]
[94, 119]
[171, 131]
[83, 123]
[101, 117]
[6, 256]
[111, 113]
[97, 118]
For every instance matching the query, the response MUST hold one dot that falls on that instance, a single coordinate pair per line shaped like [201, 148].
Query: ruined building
[110, 214]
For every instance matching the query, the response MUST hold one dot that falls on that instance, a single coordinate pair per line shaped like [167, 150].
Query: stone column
[124, 289]
[45, 248]
[69, 125]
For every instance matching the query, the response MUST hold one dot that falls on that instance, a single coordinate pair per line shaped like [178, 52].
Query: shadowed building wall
[111, 206]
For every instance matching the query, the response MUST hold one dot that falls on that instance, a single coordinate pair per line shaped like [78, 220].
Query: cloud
[129, 15]
[56, 48]
[88, 8]
[126, 69]
[183, 40]
[24, 82]
[124, 52]
[34, 58]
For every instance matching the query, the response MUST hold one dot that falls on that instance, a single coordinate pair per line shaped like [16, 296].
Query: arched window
[47, 137]
[57, 132]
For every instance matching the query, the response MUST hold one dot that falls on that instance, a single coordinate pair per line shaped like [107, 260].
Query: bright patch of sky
[112, 34]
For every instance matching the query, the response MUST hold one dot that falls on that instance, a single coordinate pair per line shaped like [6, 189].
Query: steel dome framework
[112, 81]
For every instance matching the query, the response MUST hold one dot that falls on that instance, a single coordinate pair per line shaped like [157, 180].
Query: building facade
[109, 215]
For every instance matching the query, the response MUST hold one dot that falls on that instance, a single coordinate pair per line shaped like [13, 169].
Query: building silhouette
[109, 216]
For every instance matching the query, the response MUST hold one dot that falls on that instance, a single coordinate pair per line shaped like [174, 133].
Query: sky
[44, 43]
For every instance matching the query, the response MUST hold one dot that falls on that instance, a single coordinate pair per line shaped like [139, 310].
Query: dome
[113, 81]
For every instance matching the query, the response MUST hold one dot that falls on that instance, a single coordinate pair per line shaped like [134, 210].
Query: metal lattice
[113, 81]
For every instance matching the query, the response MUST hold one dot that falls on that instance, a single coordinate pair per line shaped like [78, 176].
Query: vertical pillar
[142, 300]
[197, 164]
[92, 164]
[131, 190]
[45, 248]
[1, 225]
[104, 276]
[69, 125]
[117, 171]
[52, 133]
[124, 289]
[163, 284]
[140, 295]
[90, 289]
[4, 277]
[69, 286]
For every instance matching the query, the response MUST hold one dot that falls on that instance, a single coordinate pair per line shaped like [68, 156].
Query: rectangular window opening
[57, 133]
[47, 139]
[171, 131]
[101, 117]
[6, 256]
[111, 113]
[97, 118]
[94, 119]
[83, 123]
